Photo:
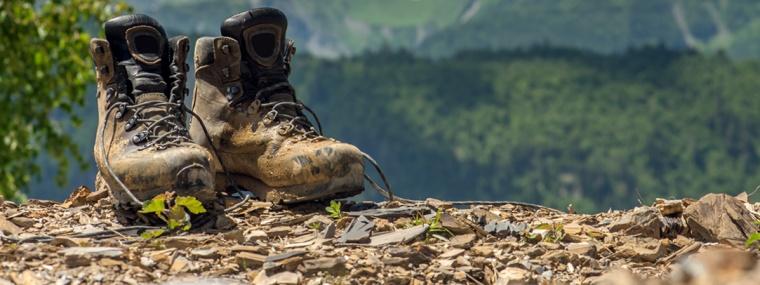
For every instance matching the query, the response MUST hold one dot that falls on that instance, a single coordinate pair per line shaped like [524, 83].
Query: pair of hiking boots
[246, 128]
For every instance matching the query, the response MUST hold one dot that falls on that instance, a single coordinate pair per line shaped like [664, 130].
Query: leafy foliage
[334, 209]
[173, 211]
[547, 125]
[46, 71]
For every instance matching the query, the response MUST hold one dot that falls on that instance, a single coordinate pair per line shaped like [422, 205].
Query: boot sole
[335, 188]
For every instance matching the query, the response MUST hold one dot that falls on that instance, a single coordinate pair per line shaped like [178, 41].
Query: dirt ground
[687, 241]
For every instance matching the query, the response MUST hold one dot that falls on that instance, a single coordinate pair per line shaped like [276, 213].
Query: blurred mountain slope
[443, 27]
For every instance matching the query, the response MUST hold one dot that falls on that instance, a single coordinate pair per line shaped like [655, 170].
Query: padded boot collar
[261, 34]
[136, 36]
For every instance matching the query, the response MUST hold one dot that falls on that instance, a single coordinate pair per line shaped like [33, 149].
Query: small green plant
[549, 232]
[334, 210]
[753, 239]
[315, 226]
[436, 227]
[174, 212]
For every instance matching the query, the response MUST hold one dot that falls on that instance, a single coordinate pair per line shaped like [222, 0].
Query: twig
[241, 203]
[753, 192]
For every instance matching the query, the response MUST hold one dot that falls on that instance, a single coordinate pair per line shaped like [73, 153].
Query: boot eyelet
[269, 117]
[139, 138]
[131, 123]
[285, 129]
[122, 111]
[226, 49]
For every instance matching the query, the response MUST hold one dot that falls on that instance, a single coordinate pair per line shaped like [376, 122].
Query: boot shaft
[142, 145]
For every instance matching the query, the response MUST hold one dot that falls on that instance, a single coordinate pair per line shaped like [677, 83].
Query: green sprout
[434, 225]
[315, 226]
[174, 212]
[554, 232]
[753, 239]
[334, 210]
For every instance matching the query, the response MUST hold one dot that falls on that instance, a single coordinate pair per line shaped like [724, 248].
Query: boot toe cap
[185, 169]
[315, 163]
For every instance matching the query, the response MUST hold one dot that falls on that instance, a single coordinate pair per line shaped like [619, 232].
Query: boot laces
[161, 132]
[271, 90]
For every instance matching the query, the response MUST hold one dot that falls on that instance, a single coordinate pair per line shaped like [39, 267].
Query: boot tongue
[139, 45]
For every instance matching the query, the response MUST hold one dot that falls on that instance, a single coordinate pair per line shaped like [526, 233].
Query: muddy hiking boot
[142, 145]
[263, 138]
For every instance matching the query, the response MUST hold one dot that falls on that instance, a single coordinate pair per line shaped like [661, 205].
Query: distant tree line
[548, 125]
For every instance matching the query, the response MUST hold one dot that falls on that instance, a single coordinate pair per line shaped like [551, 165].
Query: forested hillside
[444, 27]
[548, 125]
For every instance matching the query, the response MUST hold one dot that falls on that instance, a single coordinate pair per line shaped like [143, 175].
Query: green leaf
[149, 234]
[177, 217]
[547, 227]
[156, 205]
[334, 209]
[753, 238]
[173, 224]
[191, 204]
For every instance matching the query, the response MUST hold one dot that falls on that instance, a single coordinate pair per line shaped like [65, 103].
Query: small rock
[438, 204]
[183, 242]
[383, 225]
[453, 225]
[8, 228]
[23, 222]
[234, 235]
[250, 260]
[280, 231]
[718, 266]
[285, 277]
[159, 256]
[559, 256]
[505, 228]
[720, 218]
[482, 250]
[204, 252]
[462, 241]
[147, 262]
[535, 251]
[582, 248]
[513, 275]
[358, 231]
[399, 236]
[669, 207]
[408, 255]
[93, 197]
[329, 231]
[251, 237]
[642, 221]
[180, 264]
[460, 276]
[27, 277]
[77, 198]
[462, 261]
[335, 266]
[451, 253]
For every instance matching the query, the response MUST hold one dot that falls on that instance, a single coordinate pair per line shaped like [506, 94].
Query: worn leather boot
[256, 123]
[142, 146]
